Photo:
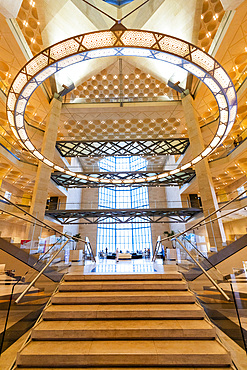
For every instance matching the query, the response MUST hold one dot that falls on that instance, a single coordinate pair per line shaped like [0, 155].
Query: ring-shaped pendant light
[121, 42]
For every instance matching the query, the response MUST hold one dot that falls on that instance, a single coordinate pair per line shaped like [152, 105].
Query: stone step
[123, 353]
[122, 277]
[94, 286]
[121, 311]
[123, 297]
[123, 329]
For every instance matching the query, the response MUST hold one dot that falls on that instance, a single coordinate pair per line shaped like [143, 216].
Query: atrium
[127, 133]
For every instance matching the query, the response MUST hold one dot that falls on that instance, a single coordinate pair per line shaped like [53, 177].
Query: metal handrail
[204, 271]
[41, 272]
[202, 222]
[212, 265]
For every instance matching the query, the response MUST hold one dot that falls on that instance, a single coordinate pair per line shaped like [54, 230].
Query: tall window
[134, 236]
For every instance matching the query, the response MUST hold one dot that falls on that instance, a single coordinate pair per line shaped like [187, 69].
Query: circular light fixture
[121, 42]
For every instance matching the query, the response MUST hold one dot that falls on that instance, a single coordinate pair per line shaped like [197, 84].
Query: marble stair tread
[123, 353]
[123, 329]
[122, 297]
[122, 277]
[101, 311]
[123, 285]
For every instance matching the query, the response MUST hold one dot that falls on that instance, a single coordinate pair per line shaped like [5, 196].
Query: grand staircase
[123, 321]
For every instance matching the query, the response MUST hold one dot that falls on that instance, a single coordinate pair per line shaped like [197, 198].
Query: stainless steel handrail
[202, 222]
[212, 265]
[204, 271]
[41, 272]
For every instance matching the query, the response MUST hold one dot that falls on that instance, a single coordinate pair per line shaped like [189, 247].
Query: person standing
[117, 255]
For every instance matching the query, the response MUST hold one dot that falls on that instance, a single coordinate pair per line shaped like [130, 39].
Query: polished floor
[138, 266]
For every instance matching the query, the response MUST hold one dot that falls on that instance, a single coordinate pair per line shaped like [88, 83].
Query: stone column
[10, 8]
[40, 192]
[231, 4]
[215, 230]
[165, 197]
[157, 199]
[74, 200]
[90, 200]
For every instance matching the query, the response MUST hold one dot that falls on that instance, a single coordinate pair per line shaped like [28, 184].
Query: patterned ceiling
[211, 16]
[122, 81]
[138, 86]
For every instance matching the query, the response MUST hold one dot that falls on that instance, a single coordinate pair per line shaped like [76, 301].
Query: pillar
[40, 192]
[10, 8]
[165, 197]
[231, 4]
[215, 230]
[157, 199]
[74, 200]
[90, 199]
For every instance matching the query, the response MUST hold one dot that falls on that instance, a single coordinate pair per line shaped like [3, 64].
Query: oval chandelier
[121, 42]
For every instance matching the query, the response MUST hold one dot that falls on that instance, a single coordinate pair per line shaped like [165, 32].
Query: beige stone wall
[13, 230]
[235, 229]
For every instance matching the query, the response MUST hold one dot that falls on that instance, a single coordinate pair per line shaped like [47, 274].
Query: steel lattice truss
[69, 181]
[122, 148]
[123, 216]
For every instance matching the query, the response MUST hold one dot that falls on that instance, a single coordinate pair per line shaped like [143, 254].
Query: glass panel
[134, 236]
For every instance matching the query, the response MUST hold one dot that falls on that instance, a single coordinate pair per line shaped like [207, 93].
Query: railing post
[156, 248]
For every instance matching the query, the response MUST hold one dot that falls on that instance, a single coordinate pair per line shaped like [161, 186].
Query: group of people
[238, 140]
[145, 253]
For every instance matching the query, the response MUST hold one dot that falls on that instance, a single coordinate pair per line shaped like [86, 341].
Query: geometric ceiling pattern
[69, 181]
[211, 16]
[131, 123]
[234, 60]
[28, 22]
[122, 148]
[121, 81]
[137, 39]
[87, 122]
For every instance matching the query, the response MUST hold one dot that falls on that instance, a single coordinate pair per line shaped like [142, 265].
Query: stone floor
[138, 266]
